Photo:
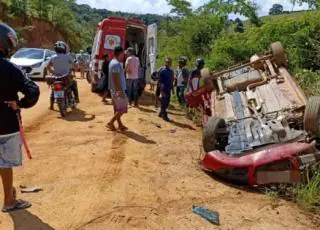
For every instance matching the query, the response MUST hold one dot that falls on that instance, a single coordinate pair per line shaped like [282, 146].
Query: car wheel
[312, 116]
[213, 134]
[279, 54]
[93, 87]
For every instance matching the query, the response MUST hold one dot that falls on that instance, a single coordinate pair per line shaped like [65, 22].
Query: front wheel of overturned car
[215, 134]
[312, 117]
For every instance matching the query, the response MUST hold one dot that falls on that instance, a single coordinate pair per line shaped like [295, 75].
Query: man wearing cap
[182, 79]
[132, 73]
[166, 78]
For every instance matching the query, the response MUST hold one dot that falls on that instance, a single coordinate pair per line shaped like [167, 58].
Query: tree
[239, 26]
[180, 7]
[225, 7]
[276, 9]
[313, 4]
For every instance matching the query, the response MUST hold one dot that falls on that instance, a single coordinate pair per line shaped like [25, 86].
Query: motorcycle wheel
[62, 107]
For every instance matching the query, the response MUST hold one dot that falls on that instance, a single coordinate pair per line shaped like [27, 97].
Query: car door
[151, 50]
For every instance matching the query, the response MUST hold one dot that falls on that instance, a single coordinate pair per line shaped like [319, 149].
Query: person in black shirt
[12, 81]
[105, 71]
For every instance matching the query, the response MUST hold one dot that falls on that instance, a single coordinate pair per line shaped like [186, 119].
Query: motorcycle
[62, 94]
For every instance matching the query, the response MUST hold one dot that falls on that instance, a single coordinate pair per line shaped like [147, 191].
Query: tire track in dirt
[125, 217]
[117, 156]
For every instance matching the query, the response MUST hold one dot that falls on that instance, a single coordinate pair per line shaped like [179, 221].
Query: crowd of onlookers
[123, 82]
[182, 82]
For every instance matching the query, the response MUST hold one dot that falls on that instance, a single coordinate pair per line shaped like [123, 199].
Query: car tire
[279, 54]
[93, 87]
[209, 139]
[312, 117]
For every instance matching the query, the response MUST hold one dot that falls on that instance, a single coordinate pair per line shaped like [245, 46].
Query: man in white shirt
[132, 72]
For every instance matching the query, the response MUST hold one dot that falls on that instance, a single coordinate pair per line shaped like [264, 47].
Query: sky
[161, 7]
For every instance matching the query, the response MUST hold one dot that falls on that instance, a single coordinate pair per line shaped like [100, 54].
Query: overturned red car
[263, 129]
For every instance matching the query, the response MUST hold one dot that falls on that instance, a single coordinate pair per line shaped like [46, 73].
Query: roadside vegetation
[208, 32]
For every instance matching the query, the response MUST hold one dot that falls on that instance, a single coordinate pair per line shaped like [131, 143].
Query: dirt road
[146, 178]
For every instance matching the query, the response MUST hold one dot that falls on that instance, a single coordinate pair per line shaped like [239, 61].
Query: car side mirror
[47, 58]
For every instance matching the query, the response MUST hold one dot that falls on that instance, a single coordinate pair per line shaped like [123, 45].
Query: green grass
[308, 196]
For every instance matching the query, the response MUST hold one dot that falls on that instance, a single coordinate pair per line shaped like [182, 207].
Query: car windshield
[29, 54]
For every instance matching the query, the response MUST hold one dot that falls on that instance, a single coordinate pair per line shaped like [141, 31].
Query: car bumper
[283, 163]
[33, 72]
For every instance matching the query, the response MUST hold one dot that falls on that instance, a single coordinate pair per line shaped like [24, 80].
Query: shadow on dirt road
[79, 115]
[23, 219]
[137, 137]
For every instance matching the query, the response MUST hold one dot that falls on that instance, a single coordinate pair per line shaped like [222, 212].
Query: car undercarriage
[263, 128]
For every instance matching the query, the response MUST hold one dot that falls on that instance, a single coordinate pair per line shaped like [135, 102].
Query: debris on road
[211, 216]
[156, 125]
[173, 130]
[25, 189]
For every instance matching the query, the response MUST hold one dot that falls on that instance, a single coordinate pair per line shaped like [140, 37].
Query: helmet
[60, 47]
[183, 60]
[8, 39]
[81, 51]
[200, 63]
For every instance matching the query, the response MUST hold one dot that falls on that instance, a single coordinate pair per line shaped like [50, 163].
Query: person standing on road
[82, 63]
[166, 78]
[105, 72]
[195, 78]
[12, 82]
[132, 72]
[117, 88]
[182, 79]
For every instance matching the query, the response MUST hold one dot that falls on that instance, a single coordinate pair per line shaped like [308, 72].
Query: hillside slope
[32, 32]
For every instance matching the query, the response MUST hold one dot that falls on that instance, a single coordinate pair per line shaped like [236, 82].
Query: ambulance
[119, 31]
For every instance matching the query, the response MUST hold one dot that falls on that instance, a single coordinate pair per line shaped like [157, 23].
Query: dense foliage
[77, 22]
[221, 43]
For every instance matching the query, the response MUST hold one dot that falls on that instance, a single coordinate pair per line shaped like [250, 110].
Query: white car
[33, 61]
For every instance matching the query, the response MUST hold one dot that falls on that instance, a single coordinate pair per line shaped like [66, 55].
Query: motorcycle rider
[60, 65]
[12, 81]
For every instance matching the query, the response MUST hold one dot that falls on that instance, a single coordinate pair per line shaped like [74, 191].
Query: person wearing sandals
[12, 81]
[117, 88]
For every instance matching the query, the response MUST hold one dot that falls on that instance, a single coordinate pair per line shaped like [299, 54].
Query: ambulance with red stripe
[119, 31]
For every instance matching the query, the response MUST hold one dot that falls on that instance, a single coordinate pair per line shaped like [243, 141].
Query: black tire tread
[62, 107]
[279, 54]
[311, 116]
[209, 133]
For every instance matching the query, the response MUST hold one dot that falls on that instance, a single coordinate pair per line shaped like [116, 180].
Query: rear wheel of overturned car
[215, 134]
[312, 117]
[279, 54]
